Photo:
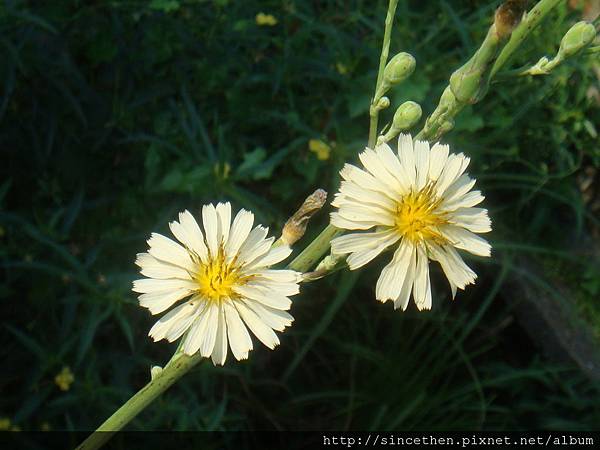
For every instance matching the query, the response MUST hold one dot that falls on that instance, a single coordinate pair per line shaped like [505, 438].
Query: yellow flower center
[217, 278]
[417, 216]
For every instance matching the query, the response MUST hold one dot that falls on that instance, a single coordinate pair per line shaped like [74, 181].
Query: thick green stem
[385, 51]
[179, 365]
[311, 255]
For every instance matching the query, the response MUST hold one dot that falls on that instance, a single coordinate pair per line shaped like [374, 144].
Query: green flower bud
[577, 38]
[407, 115]
[399, 68]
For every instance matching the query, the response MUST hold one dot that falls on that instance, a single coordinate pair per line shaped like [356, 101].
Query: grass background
[116, 115]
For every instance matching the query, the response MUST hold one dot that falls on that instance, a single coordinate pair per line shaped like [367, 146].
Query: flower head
[268, 20]
[224, 276]
[420, 199]
[64, 379]
[319, 148]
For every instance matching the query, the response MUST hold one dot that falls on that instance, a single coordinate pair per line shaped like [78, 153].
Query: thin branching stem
[385, 50]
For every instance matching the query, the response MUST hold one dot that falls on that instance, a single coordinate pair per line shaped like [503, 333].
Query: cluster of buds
[398, 69]
[470, 83]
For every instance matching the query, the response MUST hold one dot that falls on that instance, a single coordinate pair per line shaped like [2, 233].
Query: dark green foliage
[116, 115]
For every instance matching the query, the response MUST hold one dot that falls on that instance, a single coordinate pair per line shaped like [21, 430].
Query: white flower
[225, 278]
[420, 198]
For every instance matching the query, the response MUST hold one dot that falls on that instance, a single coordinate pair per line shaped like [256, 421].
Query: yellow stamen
[417, 216]
[217, 278]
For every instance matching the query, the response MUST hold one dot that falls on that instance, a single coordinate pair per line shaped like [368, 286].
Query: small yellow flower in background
[420, 201]
[222, 170]
[15, 428]
[45, 426]
[319, 148]
[268, 20]
[64, 379]
[341, 68]
[5, 424]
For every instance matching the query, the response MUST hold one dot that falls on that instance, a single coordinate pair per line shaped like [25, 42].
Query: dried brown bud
[295, 227]
[508, 16]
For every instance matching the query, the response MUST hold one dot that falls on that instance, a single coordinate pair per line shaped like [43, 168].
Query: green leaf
[251, 161]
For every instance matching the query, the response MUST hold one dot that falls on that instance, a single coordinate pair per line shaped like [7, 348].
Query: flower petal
[264, 333]
[265, 296]
[240, 229]
[355, 242]
[239, 339]
[153, 268]
[158, 302]
[211, 228]
[176, 317]
[437, 160]
[224, 218]
[390, 282]
[219, 354]
[194, 235]
[465, 240]
[362, 257]
[422, 284]
[167, 250]
[473, 219]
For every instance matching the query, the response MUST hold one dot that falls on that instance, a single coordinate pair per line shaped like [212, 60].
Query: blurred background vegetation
[116, 115]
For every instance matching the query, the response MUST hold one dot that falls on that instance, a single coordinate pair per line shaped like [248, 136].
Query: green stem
[178, 366]
[522, 31]
[385, 50]
[311, 255]
[592, 50]
[442, 118]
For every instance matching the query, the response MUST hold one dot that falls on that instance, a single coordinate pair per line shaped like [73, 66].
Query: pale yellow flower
[225, 276]
[419, 201]
[268, 20]
[64, 379]
[319, 148]
[5, 424]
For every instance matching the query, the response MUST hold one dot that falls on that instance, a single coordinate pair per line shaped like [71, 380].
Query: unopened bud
[405, 117]
[155, 371]
[508, 16]
[576, 39]
[295, 227]
[399, 68]
[383, 103]
[407, 114]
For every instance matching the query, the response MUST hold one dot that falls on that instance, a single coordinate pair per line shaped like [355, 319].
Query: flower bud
[577, 38]
[407, 114]
[405, 117]
[508, 16]
[295, 227]
[399, 68]
[383, 103]
[155, 371]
